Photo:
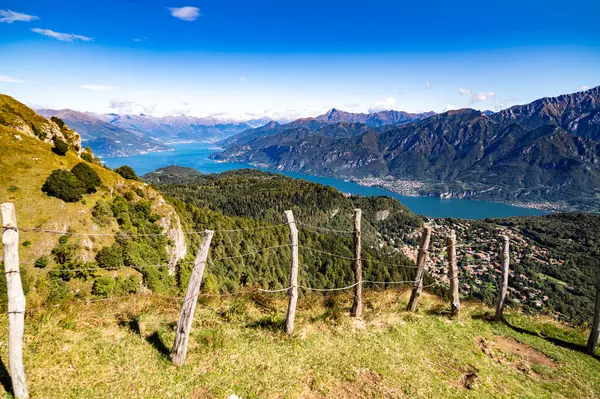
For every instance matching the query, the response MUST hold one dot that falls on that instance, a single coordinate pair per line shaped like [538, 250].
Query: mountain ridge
[538, 152]
[324, 122]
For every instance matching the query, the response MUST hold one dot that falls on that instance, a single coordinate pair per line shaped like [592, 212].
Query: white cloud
[98, 87]
[476, 96]
[428, 84]
[450, 107]
[64, 37]
[584, 88]
[126, 107]
[185, 13]
[10, 79]
[9, 17]
[383, 105]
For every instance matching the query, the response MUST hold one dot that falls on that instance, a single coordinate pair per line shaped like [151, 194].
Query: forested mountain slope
[253, 202]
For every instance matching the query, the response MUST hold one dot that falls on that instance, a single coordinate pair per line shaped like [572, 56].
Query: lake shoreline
[197, 155]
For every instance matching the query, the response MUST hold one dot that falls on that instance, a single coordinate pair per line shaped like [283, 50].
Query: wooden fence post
[505, 259]
[16, 300]
[184, 325]
[293, 290]
[453, 272]
[421, 264]
[356, 309]
[595, 333]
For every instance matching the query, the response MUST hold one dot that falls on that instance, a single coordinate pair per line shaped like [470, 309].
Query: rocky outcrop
[177, 247]
[171, 224]
[47, 131]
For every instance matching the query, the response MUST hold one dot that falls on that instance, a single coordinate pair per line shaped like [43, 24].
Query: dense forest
[248, 200]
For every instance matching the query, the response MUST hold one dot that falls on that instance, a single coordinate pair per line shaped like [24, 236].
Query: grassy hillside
[25, 163]
[119, 349]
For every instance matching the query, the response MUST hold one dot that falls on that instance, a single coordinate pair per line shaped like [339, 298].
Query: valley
[132, 239]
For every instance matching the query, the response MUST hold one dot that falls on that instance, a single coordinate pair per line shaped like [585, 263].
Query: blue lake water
[196, 156]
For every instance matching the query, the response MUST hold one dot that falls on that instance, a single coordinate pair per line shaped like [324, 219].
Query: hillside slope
[25, 163]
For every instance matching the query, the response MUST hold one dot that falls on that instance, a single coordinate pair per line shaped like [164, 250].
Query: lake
[196, 156]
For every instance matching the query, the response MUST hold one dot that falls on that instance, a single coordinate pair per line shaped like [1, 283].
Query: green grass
[119, 349]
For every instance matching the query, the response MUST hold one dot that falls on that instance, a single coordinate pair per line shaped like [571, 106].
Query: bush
[59, 291]
[41, 262]
[58, 121]
[102, 213]
[110, 257]
[60, 147]
[64, 185]
[126, 172]
[127, 285]
[103, 286]
[27, 244]
[88, 176]
[106, 286]
[65, 253]
[85, 270]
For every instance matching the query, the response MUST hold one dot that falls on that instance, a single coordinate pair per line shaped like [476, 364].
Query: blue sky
[288, 59]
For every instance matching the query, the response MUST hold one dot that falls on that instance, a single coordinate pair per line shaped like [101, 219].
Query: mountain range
[334, 123]
[110, 135]
[545, 151]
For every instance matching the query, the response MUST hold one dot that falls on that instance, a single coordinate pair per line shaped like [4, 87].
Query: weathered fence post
[505, 259]
[293, 290]
[421, 264]
[453, 272]
[190, 299]
[593, 340]
[356, 309]
[16, 300]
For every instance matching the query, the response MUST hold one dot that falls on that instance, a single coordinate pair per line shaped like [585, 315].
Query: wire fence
[440, 247]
